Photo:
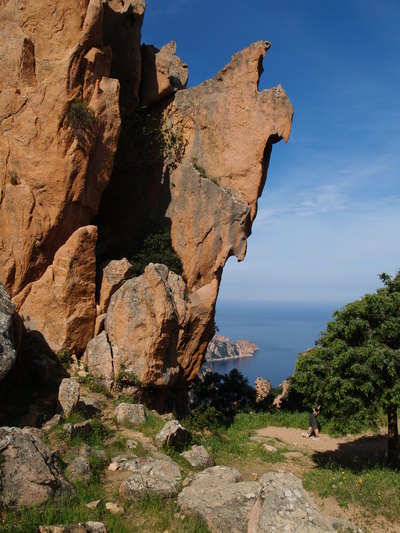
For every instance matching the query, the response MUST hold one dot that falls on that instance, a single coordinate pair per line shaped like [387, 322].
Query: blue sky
[329, 217]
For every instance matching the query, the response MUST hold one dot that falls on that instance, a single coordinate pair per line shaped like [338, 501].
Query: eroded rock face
[61, 304]
[114, 274]
[68, 395]
[29, 473]
[262, 386]
[50, 179]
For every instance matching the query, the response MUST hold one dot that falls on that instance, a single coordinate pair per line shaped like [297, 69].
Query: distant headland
[222, 348]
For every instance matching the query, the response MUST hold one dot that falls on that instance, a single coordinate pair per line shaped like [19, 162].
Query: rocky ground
[129, 455]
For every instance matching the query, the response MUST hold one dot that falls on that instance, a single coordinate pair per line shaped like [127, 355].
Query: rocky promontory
[104, 150]
[222, 348]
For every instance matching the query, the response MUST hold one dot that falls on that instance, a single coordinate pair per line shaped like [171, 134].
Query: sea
[281, 330]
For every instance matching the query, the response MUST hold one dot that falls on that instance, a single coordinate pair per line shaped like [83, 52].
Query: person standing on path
[312, 424]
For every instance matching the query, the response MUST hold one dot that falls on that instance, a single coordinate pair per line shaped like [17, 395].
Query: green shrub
[157, 248]
[94, 384]
[65, 358]
[80, 117]
[127, 378]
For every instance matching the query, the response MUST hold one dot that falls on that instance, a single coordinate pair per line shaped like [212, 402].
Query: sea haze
[280, 329]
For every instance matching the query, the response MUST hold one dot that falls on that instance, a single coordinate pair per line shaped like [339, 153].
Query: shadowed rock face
[63, 197]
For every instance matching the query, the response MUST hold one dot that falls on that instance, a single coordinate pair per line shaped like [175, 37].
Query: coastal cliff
[221, 348]
[102, 148]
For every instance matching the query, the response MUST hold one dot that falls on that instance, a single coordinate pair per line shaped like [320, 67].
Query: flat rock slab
[130, 413]
[221, 498]
[153, 477]
[29, 472]
[86, 527]
[284, 506]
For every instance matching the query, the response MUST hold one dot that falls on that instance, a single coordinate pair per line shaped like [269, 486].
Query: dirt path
[341, 450]
[368, 444]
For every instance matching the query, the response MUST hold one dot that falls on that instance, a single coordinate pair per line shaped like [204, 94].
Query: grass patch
[152, 426]
[94, 384]
[203, 172]
[377, 489]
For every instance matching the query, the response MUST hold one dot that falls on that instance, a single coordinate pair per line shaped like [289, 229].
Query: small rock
[130, 413]
[114, 467]
[172, 434]
[68, 395]
[114, 508]
[198, 457]
[293, 455]
[82, 429]
[132, 444]
[269, 448]
[90, 406]
[52, 422]
[93, 504]
[79, 469]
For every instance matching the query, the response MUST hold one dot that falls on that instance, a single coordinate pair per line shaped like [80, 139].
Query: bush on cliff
[157, 248]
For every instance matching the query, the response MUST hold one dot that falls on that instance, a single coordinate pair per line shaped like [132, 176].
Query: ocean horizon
[281, 330]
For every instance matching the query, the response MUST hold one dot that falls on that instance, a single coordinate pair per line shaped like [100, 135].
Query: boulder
[114, 274]
[198, 457]
[152, 477]
[98, 358]
[128, 413]
[142, 326]
[79, 469]
[221, 498]
[283, 505]
[61, 304]
[172, 434]
[29, 472]
[68, 395]
[90, 406]
[163, 73]
[8, 353]
[114, 508]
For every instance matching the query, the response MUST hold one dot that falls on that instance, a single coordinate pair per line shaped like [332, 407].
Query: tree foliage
[354, 370]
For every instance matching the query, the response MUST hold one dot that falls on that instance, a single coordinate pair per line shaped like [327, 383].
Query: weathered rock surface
[79, 469]
[283, 505]
[172, 434]
[61, 304]
[82, 527]
[262, 386]
[221, 498]
[29, 473]
[128, 413]
[163, 73]
[153, 477]
[142, 329]
[8, 353]
[68, 395]
[81, 429]
[198, 457]
[114, 274]
[50, 180]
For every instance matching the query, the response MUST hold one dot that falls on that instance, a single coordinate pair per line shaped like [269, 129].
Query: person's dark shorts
[312, 421]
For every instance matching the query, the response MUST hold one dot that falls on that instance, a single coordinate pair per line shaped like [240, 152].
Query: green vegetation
[13, 177]
[65, 358]
[147, 137]
[354, 371]
[126, 378]
[376, 489]
[203, 172]
[94, 384]
[80, 118]
[228, 393]
[157, 248]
